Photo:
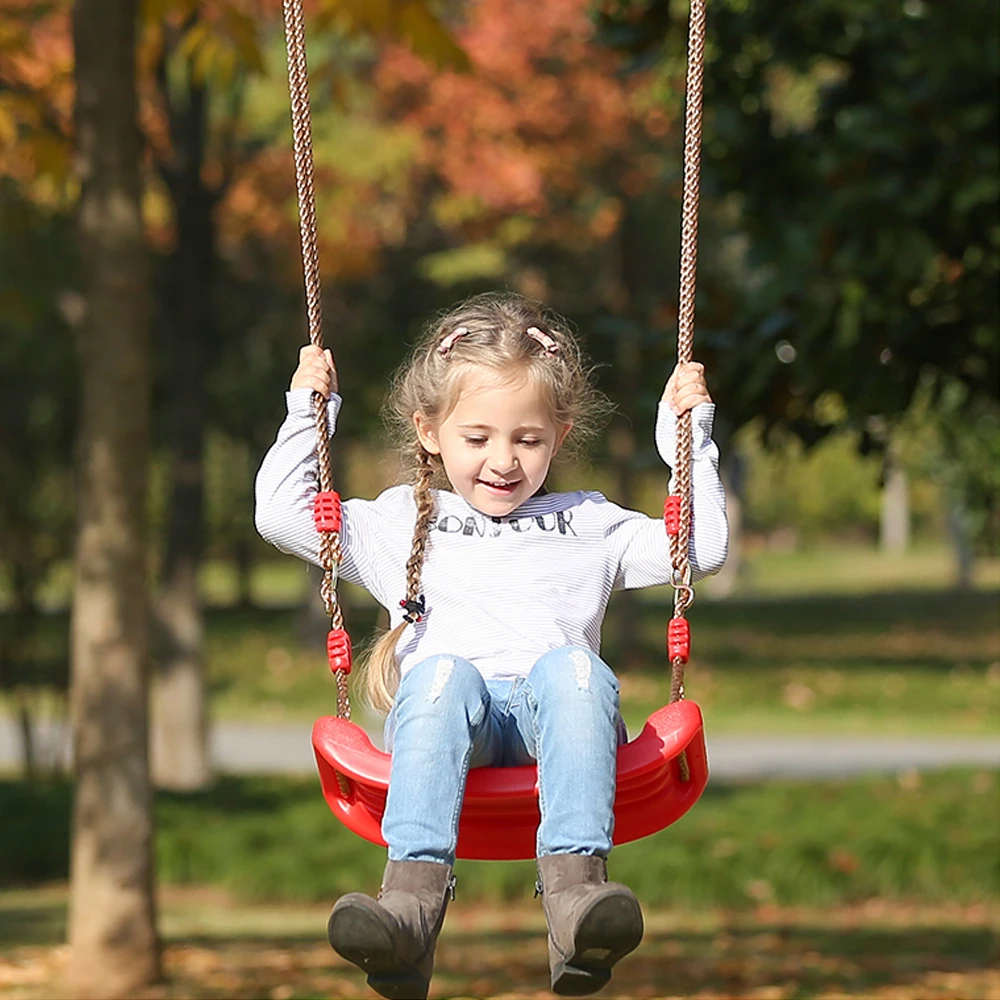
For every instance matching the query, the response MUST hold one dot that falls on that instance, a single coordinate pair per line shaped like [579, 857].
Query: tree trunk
[894, 520]
[26, 727]
[16, 652]
[180, 713]
[957, 519]
[112, 921]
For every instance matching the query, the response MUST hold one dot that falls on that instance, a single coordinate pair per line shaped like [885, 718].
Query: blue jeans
[447, 718]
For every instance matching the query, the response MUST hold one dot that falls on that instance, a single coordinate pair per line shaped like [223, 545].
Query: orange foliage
[544, 118]
[36, 95]
[543, 125]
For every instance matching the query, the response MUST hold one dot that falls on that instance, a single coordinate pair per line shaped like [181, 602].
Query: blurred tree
[865, 169]
[112, 924]
[954, 440]
[872, 213]
[36, 99]
[37, 280]
[37, 410]
[190, 49]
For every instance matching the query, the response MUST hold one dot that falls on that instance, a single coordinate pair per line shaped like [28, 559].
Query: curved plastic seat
[500, 813]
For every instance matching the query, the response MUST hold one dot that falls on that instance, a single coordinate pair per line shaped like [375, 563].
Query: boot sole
[357, 934]
[605, 935]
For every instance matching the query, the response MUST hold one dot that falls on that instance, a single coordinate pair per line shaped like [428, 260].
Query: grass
[852, 569]
[923, 839]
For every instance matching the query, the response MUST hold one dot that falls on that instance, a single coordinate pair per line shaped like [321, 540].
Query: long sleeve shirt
[499, 591]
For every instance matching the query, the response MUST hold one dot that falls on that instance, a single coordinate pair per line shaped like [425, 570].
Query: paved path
[285, 749]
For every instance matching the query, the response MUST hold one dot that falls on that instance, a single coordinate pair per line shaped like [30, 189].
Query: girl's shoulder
[393, 504]
[604, 511]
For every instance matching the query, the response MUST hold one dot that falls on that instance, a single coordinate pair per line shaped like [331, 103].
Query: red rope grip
[679, 639]
[672, 514]
[338, 650]
[326, 511]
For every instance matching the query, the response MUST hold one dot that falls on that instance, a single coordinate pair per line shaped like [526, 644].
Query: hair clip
[551, 347]
[449, 342]
[415, 610]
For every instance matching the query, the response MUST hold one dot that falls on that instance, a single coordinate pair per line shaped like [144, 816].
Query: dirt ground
[875, 951]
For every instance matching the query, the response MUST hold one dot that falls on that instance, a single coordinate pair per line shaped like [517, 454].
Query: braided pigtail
[381, 676]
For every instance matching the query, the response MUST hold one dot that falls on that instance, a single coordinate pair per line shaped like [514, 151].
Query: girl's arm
[709, 526]
[640, 543]
[288, 478]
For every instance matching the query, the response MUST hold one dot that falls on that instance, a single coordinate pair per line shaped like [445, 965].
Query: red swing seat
[500, 813]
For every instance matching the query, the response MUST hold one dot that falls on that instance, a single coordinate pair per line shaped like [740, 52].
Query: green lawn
[927, 839]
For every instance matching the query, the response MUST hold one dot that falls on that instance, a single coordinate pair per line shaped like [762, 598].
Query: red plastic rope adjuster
[672, 514]
[679, 639]
[326, 511]
[338, 650]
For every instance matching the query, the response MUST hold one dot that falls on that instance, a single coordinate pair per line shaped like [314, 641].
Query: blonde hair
[494, 338]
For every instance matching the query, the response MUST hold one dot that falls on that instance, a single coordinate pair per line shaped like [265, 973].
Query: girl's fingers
[691, 375]
[688, 401]
[314, 371]
[322, 386]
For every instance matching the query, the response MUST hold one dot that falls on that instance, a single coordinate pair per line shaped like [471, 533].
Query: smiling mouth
[501, 486]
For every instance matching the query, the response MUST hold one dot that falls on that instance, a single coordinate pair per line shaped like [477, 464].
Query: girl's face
[496, 444]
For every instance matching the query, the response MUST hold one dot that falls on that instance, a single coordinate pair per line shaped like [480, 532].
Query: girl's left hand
[686, 387]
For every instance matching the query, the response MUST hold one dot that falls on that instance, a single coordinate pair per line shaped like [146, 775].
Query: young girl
[496, 590]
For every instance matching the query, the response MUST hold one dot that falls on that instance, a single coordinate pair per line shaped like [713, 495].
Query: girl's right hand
[316, 371]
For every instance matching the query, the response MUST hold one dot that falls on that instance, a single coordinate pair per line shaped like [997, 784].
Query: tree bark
[112, 920]
[25, 724]
[957, 519]
[180, 743]
[894, 520]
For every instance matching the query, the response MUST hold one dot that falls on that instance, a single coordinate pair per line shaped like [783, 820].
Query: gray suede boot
[592, 922]
[393, 938]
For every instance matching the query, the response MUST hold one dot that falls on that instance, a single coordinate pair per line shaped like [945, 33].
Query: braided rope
[298, 88]
[680, 543]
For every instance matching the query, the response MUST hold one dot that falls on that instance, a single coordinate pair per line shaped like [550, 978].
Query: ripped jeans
[447, 718]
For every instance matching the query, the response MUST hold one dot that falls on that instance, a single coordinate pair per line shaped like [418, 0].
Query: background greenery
[910, 838]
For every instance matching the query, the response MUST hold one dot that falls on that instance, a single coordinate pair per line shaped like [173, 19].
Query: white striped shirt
[499, 592]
